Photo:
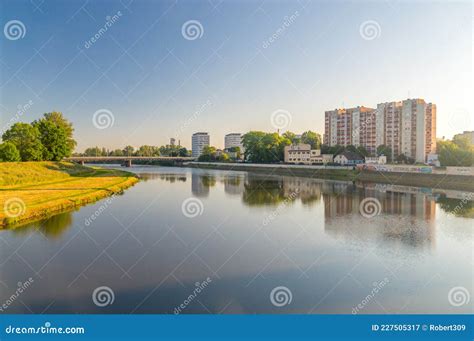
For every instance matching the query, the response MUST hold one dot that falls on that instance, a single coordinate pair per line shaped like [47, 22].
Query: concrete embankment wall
[456, 182]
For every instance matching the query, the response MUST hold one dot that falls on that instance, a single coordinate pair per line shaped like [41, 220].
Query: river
[205, 241]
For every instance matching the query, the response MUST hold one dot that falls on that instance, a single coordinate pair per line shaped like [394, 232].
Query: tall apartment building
[233, 140]
[353, 126]
[199, 141]
[408, 127]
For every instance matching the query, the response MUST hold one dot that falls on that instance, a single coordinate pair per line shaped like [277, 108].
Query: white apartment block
[408, 127]
[233, 140]
[199, 141]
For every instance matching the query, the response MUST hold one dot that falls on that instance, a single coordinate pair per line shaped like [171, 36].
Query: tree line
[49, 138]
[145, 150]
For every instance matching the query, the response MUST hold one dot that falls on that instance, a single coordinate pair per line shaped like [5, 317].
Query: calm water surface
[246, 234]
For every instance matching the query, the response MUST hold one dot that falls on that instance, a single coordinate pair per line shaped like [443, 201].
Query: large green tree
[54, 139]
[264, 147]
[311, 138]
[58, 119]
[26, 139]
[458, 152]
[9, 153]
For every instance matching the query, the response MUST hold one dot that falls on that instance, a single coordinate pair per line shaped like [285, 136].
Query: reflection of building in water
[234, 185]
[408, 217]
[199, 187]
[308, 190]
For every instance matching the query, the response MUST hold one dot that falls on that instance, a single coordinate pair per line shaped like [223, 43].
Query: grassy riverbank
[34, 190]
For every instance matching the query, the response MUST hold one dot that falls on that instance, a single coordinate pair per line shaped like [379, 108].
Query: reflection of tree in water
[263, 192]
[458, 207]
[208, 180]
[52, 227]
[166, 177]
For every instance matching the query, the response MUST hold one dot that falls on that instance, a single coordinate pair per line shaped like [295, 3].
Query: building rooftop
[351, 155]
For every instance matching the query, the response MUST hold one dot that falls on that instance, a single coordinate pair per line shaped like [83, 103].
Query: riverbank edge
[440, 181]
[45, 211]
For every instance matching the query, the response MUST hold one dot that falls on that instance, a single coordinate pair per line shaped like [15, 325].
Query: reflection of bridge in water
[127, 160]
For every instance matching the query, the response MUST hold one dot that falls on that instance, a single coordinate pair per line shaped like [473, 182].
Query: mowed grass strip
[34, 190]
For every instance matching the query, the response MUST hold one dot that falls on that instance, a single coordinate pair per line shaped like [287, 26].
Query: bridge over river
[127, 160]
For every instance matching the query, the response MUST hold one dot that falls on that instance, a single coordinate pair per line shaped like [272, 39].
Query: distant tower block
[172, 141]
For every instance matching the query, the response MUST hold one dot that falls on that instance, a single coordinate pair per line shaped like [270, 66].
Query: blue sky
[158, 85]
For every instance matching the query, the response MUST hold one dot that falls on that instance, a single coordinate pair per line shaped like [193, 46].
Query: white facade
[376, 160]
[233, 140]
[199, 141]
[302, 153]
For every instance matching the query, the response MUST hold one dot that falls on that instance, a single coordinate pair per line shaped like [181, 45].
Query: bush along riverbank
[31, 191]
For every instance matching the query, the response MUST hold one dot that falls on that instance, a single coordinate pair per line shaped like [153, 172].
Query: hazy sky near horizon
[157, 84]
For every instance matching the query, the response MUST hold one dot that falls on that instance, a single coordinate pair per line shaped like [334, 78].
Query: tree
[54, 140]
[458, 152]
[237, 154]
[26, 139]
[208, 154]
[264, 147]
[9, 153]
[224, 157]
[385, 150]
[292, 137]
[362, 151]
[183, 152]
[146, 151]
[128, 151]
[311, 138]
[94, 151]
[56, 134]
[117, 152]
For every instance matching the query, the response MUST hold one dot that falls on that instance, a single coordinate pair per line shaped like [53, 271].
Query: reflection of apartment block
[199, 141]
[198, 187]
